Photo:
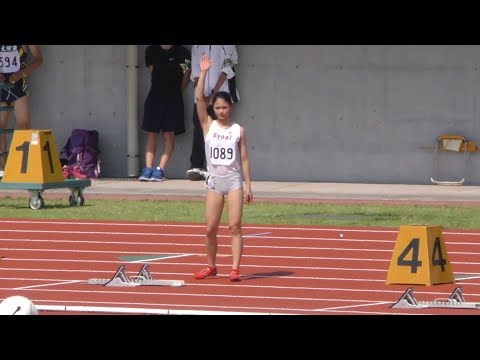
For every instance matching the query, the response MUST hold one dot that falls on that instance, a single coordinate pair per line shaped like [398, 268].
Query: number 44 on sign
[420, 257]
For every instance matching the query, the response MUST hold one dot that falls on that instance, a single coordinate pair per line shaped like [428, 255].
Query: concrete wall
[346, 113]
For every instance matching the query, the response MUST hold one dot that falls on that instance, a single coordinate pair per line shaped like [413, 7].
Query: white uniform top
[224, 58]
[222, 149]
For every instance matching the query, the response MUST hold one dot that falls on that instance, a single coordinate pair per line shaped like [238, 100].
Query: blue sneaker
[146, 174]
[157, 175]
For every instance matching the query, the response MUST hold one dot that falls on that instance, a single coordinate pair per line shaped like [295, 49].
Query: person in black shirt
[170, 67]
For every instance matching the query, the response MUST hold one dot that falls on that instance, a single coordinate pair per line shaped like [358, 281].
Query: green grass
[452, 217]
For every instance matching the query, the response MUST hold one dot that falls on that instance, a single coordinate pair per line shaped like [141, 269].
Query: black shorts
[19, 90]
[163, 115]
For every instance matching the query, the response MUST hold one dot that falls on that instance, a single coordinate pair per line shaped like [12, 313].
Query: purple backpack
[82, 150]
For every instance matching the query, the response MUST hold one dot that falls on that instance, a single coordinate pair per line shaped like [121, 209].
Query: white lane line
[51, 284]
[355, 306]
[141, 261]
[257, 235]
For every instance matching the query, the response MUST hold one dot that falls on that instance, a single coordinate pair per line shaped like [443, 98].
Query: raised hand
[205, 63]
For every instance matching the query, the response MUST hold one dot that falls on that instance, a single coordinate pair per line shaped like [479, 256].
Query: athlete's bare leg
[235, 210]
[21, 109]
[213, 213]
[3, 136]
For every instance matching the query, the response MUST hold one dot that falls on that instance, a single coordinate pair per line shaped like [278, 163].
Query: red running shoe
[208, 271]
[235, 275]
[66, 172]
[77, 173]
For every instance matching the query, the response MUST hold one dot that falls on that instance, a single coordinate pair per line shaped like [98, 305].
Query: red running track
[285, 269]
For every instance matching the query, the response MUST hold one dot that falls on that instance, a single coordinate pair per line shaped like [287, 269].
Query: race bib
[222, 153]
[9, 62]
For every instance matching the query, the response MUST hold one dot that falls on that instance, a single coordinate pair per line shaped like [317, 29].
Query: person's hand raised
[205, 63]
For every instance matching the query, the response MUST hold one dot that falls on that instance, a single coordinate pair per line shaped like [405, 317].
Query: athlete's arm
[205, 64]
[37, 55]
[218, 85]
[245, 166]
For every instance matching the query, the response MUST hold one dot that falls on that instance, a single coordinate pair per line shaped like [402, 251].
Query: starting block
[144, 277]
[455, 301]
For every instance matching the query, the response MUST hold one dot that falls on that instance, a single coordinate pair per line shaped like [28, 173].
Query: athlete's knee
[235, 229]
[211, 231]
